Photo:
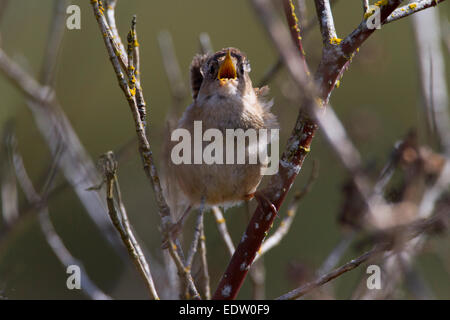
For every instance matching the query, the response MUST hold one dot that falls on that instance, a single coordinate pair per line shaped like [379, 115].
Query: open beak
[227, 70]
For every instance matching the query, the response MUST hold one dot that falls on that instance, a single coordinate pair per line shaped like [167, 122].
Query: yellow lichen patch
[335, 40]
[220, 221]
[338, 84]
[412, 6]
[304, 148]
[133, 91]
[381, 3]
[369, 13]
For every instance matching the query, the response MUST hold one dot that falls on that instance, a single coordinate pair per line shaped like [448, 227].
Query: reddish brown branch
[294, 29]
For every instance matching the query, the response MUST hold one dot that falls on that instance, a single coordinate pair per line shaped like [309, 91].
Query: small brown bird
[224, 98]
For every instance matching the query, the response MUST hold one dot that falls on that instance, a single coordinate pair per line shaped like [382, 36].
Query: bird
[223, 98]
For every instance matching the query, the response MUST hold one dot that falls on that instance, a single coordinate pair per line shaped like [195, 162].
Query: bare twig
[293, 22]
[111, 18]
[304, 289]
[195, 240]
[432, 75]
[9, 194]
[335, 255]
[120, 220]
[204, 262]
[286, 223]
[365, 4]
[54, 41]
[326, 21]
[23, 81]
[223, 230]
[411, 8]
[171, 66]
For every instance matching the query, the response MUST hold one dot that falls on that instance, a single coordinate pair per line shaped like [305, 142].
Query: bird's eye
[212, 69]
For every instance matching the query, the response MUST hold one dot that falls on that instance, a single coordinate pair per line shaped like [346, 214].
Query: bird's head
[225, 73]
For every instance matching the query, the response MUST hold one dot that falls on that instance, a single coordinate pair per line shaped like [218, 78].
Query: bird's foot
[262, 200]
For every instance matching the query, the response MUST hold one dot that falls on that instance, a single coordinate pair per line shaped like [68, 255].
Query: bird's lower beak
[227, 69]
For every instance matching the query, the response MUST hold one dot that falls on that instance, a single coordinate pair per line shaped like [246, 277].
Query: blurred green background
[378, 101]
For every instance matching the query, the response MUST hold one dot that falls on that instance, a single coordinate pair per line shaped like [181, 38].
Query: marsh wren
[223, 99]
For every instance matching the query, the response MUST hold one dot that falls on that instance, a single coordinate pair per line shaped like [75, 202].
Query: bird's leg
[262, 201]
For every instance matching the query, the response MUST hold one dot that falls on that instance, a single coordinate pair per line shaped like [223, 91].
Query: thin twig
[432, 75]
[54, 42]
[304, 289]
[195, 240]
[172, 68]
[223, 230]
[9, 195]
[365, 4]
[121, 222]
[326, 21]
[204, 261]
[293, 22]
[286, 223]
[410, 9]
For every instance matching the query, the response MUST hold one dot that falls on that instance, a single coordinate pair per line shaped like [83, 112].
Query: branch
[365, 4]
[223, 230]
[289, 10]
[8, 188]
[432, 75]
[410, 9]
[301, 291]
[204, 261]
[121, 223]
[326, 21]
[177, 87]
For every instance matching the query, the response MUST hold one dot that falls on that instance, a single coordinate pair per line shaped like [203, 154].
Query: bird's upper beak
[227, 69]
